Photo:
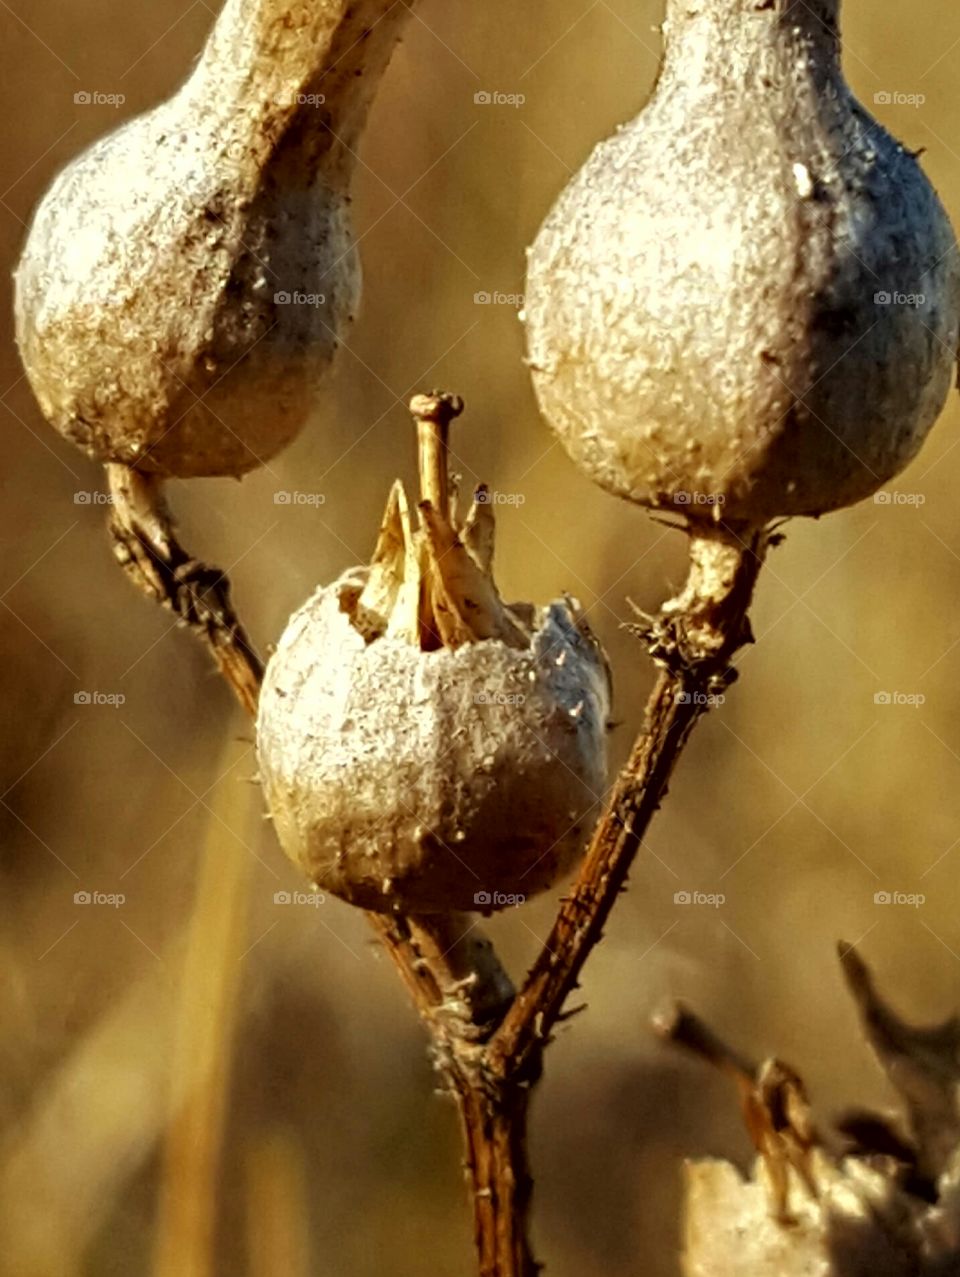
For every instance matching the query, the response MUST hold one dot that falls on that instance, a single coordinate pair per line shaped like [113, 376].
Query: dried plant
[487, 1041]
[868, 1195]
[688, 350]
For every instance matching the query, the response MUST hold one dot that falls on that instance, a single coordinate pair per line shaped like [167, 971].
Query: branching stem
[487, 1042]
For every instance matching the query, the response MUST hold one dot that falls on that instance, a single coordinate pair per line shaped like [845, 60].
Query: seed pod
[747, 301]
[423, 746]
[186, 281]
[879, 1196]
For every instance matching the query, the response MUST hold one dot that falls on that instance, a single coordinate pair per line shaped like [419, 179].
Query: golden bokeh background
[279, 1025]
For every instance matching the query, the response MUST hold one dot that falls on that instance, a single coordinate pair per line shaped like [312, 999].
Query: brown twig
[773, 1100]
[146, 547]
[487, 1043]
[693, 640]
[682, 1027]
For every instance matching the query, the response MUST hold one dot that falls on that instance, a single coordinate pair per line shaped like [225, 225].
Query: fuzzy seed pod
[423, 746]
[746, 303]
[186, 281]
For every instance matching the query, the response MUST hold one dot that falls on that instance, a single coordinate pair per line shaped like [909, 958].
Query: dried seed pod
[186, 281]
[746, 303]
[423, 746]
[885, 1205]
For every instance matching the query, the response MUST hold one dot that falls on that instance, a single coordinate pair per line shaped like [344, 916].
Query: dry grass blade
[106, 1103]
[278, 1207]
[202, 1054]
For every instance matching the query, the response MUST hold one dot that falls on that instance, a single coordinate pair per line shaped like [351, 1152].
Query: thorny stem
[693, 640]
[459, 1009]
[487, 1043]
[147, 549]
[495, 1141]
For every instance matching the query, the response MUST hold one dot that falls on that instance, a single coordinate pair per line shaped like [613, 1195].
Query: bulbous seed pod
[746, 303]
[423, 746]
[186, 281]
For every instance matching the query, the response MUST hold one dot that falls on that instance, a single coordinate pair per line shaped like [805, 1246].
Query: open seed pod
[187, 280]
[746, 303]
[423, 746]
[876, 1196]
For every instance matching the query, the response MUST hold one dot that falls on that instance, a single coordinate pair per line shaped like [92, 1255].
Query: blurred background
[187, 1000]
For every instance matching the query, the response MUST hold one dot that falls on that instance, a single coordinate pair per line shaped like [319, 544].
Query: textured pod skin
[395, 785]
[862, 1225]
[701, 306]
[146, 305]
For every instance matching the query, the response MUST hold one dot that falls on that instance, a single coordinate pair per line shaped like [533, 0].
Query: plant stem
[146, 547]
[693, 640]
[487, 1043]
[494, 1127]
[433, 414]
